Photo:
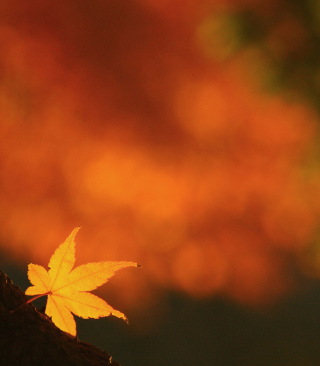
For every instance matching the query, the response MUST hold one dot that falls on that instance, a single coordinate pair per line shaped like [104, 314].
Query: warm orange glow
[164, 156]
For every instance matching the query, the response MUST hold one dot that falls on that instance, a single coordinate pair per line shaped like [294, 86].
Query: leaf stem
[29, 301]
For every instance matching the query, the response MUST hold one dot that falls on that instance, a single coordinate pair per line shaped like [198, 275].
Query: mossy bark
[28, 337]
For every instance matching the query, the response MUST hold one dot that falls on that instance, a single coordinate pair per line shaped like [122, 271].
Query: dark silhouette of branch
[28, 337]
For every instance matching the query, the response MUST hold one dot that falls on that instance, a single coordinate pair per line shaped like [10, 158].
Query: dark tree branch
[28, 337]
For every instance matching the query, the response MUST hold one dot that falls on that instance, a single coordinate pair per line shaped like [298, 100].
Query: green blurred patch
[221, 35]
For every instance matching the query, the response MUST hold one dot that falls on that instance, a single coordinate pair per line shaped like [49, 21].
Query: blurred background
[182, 135]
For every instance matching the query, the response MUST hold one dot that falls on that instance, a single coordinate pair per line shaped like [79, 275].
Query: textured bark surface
[28, 337]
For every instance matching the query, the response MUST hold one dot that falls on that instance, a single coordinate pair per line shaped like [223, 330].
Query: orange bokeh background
[121, 117]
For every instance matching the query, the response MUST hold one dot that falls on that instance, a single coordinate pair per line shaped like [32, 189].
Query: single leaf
[66, 287]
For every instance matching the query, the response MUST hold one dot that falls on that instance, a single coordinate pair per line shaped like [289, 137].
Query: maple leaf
[66, 288]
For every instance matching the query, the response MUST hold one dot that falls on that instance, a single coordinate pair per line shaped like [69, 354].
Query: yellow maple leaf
[66, 288]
